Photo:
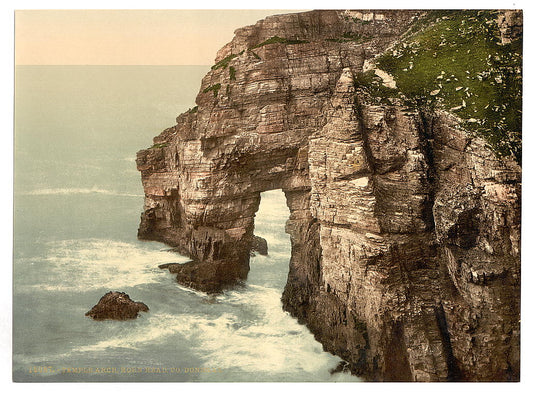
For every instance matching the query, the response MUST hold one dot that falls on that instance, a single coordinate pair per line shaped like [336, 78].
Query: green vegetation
[372, 85]
[349, 36]
[455, 60]
[256, 55]
[356, 20]
[213, 88]
[224, 62]
[280, 40]
[193, 110]
[160, 145]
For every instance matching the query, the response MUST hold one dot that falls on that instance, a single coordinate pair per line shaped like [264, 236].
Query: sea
[77, 205]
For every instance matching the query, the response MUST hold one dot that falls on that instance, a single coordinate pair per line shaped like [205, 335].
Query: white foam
[191, 290]
[88, 264]
[273, 343]
[157, 328]
[268, 342]
[250, 333]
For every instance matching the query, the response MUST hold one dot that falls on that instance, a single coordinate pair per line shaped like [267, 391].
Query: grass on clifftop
[373, 86]
[455, 60]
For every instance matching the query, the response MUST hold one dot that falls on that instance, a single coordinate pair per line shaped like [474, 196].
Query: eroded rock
[205, 276]
[116, 306]
[405, 230]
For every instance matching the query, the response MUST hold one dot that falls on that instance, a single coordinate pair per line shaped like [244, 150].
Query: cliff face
[405, 230]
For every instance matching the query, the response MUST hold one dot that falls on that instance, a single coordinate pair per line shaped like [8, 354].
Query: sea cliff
[404, 213]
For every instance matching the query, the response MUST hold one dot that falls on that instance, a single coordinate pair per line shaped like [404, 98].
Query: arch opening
[270, 222]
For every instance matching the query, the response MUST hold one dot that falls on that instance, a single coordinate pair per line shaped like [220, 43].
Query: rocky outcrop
[259, 245]
[116, 306]
[206, 276]
[405, 230]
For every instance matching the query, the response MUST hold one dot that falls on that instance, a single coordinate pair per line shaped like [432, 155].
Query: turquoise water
[78, 199]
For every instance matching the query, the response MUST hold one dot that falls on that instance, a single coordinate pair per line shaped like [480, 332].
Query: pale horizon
[127, 37]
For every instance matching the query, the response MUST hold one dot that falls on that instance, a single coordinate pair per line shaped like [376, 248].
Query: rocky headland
[404, 206]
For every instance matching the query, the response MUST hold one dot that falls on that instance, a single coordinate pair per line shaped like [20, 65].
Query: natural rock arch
[405, 232]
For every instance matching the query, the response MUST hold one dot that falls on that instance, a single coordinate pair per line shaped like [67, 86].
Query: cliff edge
[404, 209]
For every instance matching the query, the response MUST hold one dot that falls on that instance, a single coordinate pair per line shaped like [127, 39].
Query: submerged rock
[116, 306]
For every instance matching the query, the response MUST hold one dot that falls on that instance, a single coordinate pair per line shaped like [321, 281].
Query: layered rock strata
[405, 231]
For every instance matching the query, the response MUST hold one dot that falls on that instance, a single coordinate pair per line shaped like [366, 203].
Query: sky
[126, 37]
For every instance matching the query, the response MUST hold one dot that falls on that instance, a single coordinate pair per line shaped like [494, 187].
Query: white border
[6, 158]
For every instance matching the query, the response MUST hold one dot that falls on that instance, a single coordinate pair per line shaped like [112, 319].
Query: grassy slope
[454, 60]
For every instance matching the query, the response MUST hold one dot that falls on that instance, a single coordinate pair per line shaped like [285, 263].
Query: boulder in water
[116, 306]
[206, 276]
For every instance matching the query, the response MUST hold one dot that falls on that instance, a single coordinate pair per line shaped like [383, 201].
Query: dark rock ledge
[203, 276]
[259, 245]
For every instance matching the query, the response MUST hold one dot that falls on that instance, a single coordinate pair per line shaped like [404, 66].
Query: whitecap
[268, 342]
[273, 342]
[88, 264]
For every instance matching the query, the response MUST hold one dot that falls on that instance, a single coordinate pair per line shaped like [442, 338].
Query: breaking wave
[88, 264]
